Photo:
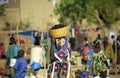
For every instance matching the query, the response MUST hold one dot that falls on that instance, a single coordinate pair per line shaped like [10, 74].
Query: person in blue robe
[20, 66]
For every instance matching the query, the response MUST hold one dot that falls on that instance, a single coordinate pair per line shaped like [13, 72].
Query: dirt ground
[115, 76]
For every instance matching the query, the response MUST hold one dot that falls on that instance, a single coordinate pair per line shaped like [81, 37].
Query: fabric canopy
[27, 33]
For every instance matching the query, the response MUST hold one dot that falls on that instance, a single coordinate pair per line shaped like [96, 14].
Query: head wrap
[95, 43]
[64, 46]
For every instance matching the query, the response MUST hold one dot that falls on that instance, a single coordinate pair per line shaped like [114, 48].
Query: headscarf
[58, 46]
[95, 43]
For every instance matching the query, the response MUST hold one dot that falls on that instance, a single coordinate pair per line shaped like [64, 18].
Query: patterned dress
[60, 68]
[89, 61]
[99, 64]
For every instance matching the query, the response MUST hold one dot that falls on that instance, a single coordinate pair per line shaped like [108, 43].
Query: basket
[60, 32]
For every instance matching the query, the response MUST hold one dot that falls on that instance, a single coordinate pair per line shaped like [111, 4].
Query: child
[20, 65]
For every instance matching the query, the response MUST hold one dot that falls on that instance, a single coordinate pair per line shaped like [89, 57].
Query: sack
[12, 62]
[35, 66]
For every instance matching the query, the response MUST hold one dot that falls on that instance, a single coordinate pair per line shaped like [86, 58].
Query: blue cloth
[20, 68]
[89, 61]
[83, 74]
[35, 66]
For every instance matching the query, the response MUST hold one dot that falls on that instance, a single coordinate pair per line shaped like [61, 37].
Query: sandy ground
[115, 76]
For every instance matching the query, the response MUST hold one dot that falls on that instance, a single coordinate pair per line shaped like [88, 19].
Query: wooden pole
[17, 29]
[115, 57]
[116, 50]
[10, 29]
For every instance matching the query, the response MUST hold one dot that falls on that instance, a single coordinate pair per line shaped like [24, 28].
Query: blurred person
[27, 55]
[37, 36]
[37, 52]
[72, 43]
[60, 53]
[107, 48]
[12, 50]
[2, 50]
[46, 44]
[20, 66]
[88, 59]
[85, 49]
[100, 64]
[99, 38]
[86, 41]
[116, 47]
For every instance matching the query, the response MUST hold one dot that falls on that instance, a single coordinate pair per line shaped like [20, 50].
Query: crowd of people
[97, 56]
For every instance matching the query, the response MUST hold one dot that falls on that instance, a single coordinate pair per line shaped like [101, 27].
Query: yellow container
[60, 32]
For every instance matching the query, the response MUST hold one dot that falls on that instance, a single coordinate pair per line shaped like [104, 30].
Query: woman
[116, 48]
[60, 54]
[100, 64]
[107, 48]
[12, 51]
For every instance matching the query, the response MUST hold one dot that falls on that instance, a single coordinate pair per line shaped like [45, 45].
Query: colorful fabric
[60, 68]
[89, 61]
[20, 68]
[62, 55]
[99, 64]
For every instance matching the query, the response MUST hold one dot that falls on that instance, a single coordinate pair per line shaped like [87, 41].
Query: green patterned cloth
[99, 63]
[46, 43]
